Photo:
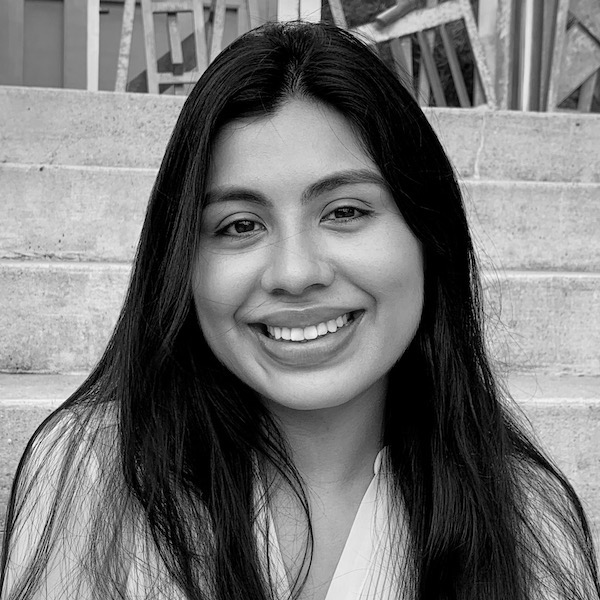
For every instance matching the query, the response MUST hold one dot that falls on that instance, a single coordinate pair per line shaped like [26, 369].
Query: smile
[312, 332]
[307, 352]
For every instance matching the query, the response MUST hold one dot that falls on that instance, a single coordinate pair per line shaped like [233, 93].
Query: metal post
[125, 45]
[487, 24]
[529, 25]
[93, 45]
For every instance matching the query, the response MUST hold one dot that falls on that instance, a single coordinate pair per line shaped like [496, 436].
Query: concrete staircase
[76, 169]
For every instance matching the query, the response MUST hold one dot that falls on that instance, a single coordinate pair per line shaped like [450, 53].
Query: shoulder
[62, 443]
[70, 449]
[75, 530]
[56, 491]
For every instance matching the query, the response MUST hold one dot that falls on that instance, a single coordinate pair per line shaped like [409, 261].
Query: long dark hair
[159, 447]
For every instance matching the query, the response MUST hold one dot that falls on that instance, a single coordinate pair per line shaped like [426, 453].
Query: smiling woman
[296, 401]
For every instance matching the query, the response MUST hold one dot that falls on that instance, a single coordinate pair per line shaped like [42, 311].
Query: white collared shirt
[364, 569]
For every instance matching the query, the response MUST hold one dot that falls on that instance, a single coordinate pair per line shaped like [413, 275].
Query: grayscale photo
[299, 299]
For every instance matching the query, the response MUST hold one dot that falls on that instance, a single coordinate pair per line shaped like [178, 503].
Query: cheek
[215, 307]
[210, 293]
[406, 279]
[393, 274]
[390, 264]
[222, 285]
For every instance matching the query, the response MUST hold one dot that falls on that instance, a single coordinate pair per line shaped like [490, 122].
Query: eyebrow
[322, 186]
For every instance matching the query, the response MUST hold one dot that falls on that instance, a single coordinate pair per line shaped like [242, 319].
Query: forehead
[301, 142]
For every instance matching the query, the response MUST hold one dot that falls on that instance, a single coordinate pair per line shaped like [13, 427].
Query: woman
[296, 401]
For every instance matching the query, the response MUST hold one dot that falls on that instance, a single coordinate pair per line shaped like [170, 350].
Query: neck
[335, 447]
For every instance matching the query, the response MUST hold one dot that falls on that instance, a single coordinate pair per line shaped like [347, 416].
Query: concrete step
[564, 412]
[51, 126]
[71, 127]
[545, 322]
[72, 213]
[57, 316]
[535, 225]
[95, 214]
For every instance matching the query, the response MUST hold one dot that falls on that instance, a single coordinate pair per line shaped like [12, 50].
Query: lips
[309, 353]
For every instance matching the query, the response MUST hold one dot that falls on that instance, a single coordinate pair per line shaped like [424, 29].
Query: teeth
[297, 334]
[312, 332]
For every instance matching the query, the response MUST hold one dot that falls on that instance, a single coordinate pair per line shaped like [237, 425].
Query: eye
[241, 228]
[343, 214]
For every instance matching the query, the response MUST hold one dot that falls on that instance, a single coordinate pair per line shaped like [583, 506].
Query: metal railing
[525, 54]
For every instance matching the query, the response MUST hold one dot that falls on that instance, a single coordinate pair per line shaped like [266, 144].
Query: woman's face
[308, 283]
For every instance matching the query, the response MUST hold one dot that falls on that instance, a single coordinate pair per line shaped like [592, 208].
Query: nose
[296, 264]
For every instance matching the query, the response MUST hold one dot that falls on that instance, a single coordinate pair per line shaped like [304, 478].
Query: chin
[322, 398]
